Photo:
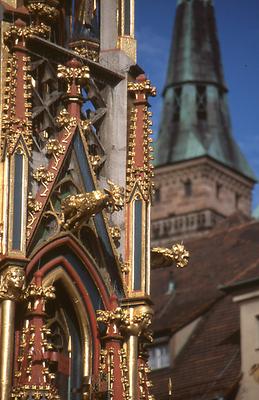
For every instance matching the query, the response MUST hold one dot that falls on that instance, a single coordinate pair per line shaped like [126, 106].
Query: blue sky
[238, 29]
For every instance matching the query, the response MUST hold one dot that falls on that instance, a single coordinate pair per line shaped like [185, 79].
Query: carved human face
[15, 278]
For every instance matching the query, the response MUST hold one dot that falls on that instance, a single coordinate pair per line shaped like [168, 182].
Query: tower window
[177, 104]
[218, 190]
[237, 200]
[201, 102]
[157, 195]
[188, 188]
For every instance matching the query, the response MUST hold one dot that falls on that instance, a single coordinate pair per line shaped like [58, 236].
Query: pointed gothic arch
[59, 275]
[64, 261]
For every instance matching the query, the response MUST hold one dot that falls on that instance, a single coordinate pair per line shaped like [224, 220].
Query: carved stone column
[12, 284]
[139, 323]
[33, 377]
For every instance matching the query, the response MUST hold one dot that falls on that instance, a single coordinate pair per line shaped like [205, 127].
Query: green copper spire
[195, 120]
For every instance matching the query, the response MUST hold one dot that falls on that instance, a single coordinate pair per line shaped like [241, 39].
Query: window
[157, 197]
[187, 188]
[237, 200]
[177, 104]
[201, 102]
[218, 190]
[159, 356]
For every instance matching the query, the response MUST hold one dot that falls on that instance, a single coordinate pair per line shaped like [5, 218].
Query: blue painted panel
[17, 206]
[137, 244]
[99, 222]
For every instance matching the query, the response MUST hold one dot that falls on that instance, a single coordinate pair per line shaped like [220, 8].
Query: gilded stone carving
[53, 147]
[136, 323]
[144, 86]
[74, 72]
[125, 373]
[95, 161]
[45, 292]
[125, 267]
[87, 49]
[135, 174]
[115, 233]
[79, 208]
[34, 206]
[86, 126]
[43, 177]
[35, 349]
[163, 257]
[12, 283]
[20, 30]
[43, 10]
[66, 122]
[119, 317]
[12, 126]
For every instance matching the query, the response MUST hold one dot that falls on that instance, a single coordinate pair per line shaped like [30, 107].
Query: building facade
[206, 316]
[201, 175]
[75, 179]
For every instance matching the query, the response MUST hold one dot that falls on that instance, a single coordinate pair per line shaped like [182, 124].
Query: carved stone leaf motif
[34, 206]
[43, 176]
[12, 126]
[115, 233]
[137, 324]
[142, 86]
[19, 31]
[163, 257]
[53, 147]
[135, 174]
[34, 291]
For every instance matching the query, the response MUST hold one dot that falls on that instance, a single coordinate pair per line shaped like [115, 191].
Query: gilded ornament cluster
[43, 177]
[144, 87]
[140, 174]
[74, 73]
[12, 126]
[178, 255]
[53, 147]
[43, 10]
[21, 31]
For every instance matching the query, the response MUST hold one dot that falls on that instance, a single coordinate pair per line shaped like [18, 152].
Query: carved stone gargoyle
[163, 257]
[79, 208]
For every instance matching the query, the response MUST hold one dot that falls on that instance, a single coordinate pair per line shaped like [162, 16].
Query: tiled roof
[210, 361]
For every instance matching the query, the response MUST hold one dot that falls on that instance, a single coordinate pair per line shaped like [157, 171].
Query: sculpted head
[12, 282]
[15, 277]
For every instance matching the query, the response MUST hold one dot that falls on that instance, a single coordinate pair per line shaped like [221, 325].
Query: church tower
[201, 174]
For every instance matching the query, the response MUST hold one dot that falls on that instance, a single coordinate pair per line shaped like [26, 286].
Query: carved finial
[164, 257]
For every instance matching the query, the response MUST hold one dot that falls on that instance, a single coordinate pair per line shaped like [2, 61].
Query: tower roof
[195, 79]
[195, 52]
